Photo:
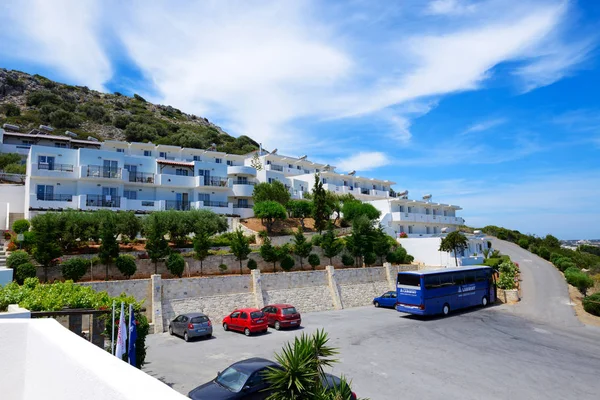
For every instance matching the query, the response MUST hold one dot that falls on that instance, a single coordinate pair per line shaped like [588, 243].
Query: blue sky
[491, 104]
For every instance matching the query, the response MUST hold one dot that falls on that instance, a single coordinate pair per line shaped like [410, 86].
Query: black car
[244, 380]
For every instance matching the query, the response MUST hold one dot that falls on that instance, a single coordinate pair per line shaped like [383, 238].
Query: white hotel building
[66, 173]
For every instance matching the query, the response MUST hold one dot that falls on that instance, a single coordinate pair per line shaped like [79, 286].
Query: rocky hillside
[30, 100]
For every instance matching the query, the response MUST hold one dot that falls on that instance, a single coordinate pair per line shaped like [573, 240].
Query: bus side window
[481, 276]
[432, 281]
[470, 276]
[459, 278]
[446, 280]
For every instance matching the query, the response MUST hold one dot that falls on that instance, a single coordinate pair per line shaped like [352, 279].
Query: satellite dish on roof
[402, 193]
[274, 151]
[303, 157]
[351, 172]
[427, 197]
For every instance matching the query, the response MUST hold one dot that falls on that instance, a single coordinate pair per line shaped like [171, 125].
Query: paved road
[477, 354]
[545, 293]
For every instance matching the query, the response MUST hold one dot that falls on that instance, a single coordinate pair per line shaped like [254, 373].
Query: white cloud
[450, 7]
[363, 161]
[484, 126]
[62, 34]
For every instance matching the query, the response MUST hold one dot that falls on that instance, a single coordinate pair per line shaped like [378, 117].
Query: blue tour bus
[443, 290]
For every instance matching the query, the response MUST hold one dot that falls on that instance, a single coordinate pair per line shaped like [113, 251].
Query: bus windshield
[409, 280]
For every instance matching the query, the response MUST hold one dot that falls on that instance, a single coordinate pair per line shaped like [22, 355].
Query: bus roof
[444, 270]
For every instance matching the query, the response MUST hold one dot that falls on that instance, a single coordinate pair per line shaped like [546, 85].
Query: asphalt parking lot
[476, 354]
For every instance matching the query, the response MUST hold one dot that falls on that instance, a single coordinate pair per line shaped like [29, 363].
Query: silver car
[191, 325]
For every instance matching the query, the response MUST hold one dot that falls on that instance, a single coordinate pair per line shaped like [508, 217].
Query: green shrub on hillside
[579, 279]
[24, 271]
[74, 268]
[591, 304]
[347, 260]
[176, 264]
[126, 265]
[523, 243]
[544, 253]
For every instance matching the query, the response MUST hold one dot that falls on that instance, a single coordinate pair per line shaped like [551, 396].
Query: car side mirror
[218, 373]
[245, 388]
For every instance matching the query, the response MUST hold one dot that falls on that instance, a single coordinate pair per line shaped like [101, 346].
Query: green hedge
[591, 304]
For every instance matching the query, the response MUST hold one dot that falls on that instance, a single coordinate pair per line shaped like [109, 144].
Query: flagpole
[112, 340]
[128, 331]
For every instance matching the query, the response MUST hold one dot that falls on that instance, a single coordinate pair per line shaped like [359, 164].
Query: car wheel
[171, 330]
[247, 332]
[186, 337]
[265, 331]
[446, 309]
[277, 325]
[484, 301]
[376, 304]
[225, 327]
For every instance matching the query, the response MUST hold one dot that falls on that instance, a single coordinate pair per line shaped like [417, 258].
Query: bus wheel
[446, 309]
[484, 301]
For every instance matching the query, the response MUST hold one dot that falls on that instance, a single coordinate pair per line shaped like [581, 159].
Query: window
[60, 145]
[45, 192]
[203, 197]
[182, 172]
[317, 170]
[130, 194]
[270, 180]
[409, 280]
[197, 158]
[298, 167]
[256, 379]
[470, 277]
[481, 275]
[120, 150]
[28, 142]
[235, 314]
[290, 166]
[459, 278]
[256, 314]
[324, 181]
[219, 160]
[199, 320]
[242, 203]
[446, 280]
[432, 281]
[229, 162]
[162, 154]
[289, 311]
[401, 208]
[244, 316]
[147, 153]
[232, 379]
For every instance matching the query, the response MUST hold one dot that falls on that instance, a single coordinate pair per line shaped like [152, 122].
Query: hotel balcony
[241, 170]
[214, 182]
[169, 180]
[52, 201]
[139, 177]
[178, 205]
[273, 167]
[379, 193]
[242, 188]
[51, 170]
[103, 201]
[243, 210]
[426, 218]
[99, 172]
[218, 207]
[142, 205]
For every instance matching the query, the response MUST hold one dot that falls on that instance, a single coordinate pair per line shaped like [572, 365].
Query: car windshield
[232, 379]
[256, 314]
[288, 311]
[199, 320]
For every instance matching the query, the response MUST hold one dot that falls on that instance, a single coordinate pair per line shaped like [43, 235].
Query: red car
[282, 316]
[247, 320]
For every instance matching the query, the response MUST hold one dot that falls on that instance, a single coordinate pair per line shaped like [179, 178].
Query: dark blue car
[388, 299]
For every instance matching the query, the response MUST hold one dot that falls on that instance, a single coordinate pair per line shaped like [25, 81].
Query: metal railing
[56, 167]
[141, 177]
[219, 182]
[97, 171]
[55, 197]
[177, 205]
[210, 203]
[96, 200]
[243, 205]
[276, 167]
[365, 191]
[242, 182]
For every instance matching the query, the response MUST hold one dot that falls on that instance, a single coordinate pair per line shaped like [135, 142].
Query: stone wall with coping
[216, 307]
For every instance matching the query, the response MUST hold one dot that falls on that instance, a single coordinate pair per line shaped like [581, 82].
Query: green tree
[302, 247]
[240, 247]
[551, 242]
[74, 268]
[201, 247]
[300, 209]
[128, 224]
[109, 248]
[523, 243]
[454, 242]
[46, 251]
[17, 258]
[24, 271]
[382, 243]
[370, 258]
[360, 241]
[274, 191]
[355, 208]
[9, 158]
[11, 110]
[314, 260]
[157, 246]
[15, 169]
[287, 263]
[255, 162]
[321, 211]
[331, 245]
[269, 211]
[198, 221]
[126, 265]
[347, 260]
[21, 226]
[251, 264]
[175, 264]
[268, 252]
[579, 279]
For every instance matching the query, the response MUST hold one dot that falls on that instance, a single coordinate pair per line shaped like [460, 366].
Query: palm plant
[302, 373]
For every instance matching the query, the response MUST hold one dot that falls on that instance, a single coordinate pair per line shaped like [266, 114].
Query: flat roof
[444, 270]
[51, 137]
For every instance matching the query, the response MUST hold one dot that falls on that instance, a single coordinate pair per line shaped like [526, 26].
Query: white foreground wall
[43, 360]
[425, 251]
[12, 200]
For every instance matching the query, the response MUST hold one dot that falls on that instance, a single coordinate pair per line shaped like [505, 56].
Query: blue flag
[132, 337]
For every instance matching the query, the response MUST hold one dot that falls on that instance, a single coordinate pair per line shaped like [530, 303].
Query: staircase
[2, 258]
